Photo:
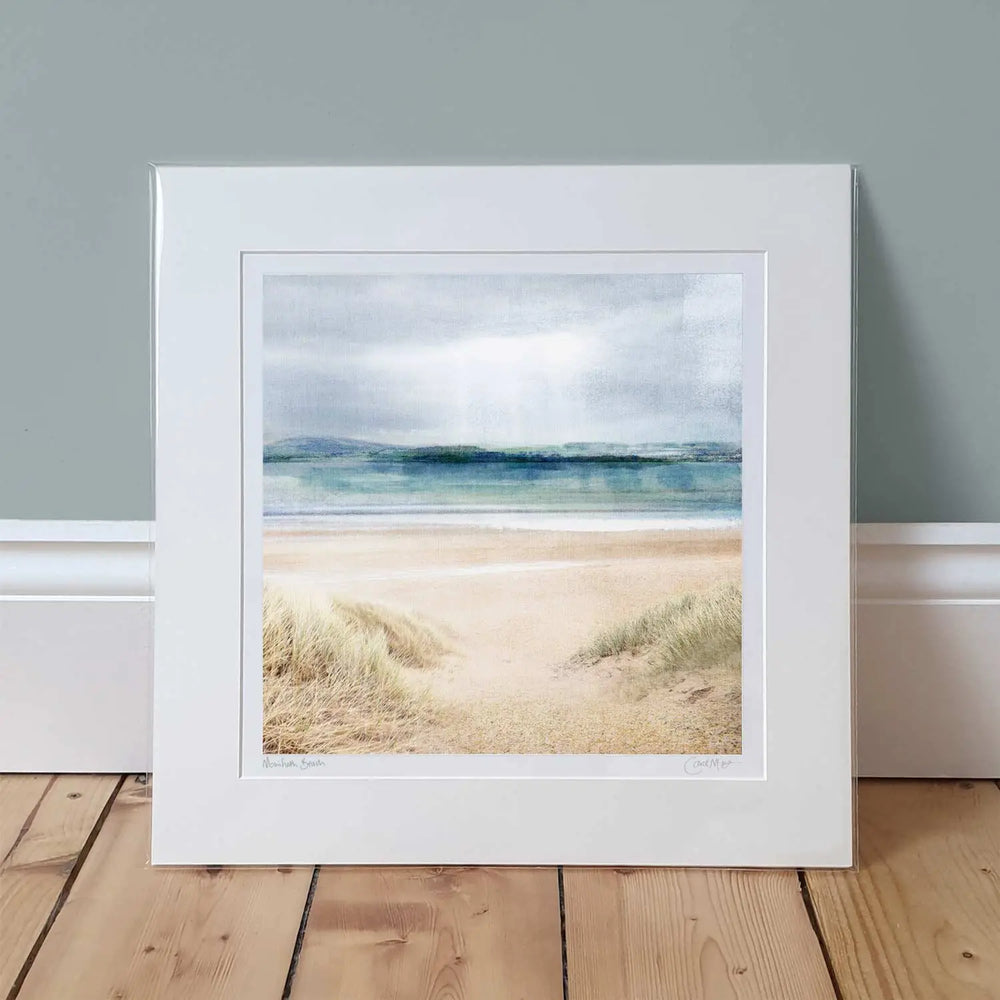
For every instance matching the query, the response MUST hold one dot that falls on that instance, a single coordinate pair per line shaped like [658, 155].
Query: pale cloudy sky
[505, 359]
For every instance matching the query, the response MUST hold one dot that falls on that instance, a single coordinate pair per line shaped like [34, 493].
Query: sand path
[517, 606]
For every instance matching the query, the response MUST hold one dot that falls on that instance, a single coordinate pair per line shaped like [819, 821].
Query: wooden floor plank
[131, 932]
[676, 934]
[417, 933]
[34, 872]
[19, 797]
[921, 918]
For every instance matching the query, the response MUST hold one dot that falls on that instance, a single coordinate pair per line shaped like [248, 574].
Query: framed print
[503, 515]
[467, 534]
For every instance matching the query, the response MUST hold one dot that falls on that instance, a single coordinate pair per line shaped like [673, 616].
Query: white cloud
[503, 359]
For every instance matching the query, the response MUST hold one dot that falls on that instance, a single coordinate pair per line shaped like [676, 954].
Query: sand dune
[516, 607]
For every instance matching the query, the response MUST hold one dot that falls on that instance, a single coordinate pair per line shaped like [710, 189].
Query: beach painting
[502, 513]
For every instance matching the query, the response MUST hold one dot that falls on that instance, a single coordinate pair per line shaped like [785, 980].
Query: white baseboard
[927, 634]
[76, 628]
[76, 560]
[76, 618]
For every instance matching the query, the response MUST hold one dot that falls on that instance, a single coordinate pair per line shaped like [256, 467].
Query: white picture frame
[788, 799]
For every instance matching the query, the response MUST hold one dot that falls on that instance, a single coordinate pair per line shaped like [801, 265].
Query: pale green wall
[91, 91]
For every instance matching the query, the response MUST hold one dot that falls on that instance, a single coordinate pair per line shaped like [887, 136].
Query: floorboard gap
[31, 819]
[814, 921]
[562, 932]
[81, 859]
[294, 962]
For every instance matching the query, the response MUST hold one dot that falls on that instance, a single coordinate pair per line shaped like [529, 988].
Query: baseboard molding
[76, 560]
[76, 629]
[901, 564]
[927, 632]
[76, 618]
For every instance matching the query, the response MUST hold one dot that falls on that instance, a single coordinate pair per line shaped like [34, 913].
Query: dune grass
[343, 676]
[697, 630]
[333, 674]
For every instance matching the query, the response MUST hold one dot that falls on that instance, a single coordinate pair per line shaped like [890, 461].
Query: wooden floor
[82, 917]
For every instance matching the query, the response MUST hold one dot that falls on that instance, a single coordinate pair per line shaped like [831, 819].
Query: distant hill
[312, 449]
[308, 449]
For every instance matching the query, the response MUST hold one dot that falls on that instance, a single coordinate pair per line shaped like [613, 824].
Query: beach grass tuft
[696, 630]
[333, 673]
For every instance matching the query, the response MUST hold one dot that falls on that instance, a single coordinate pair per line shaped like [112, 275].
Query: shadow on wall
[887, 380]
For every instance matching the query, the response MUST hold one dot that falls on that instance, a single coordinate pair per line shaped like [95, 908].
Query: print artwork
[502, 513]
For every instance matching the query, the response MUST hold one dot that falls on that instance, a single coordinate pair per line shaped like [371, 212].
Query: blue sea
[582, 487]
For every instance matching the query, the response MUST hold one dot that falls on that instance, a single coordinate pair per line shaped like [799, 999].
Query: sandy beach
[516, 607]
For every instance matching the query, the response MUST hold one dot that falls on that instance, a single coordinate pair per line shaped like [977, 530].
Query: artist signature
[707, 765]
[296, 763]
